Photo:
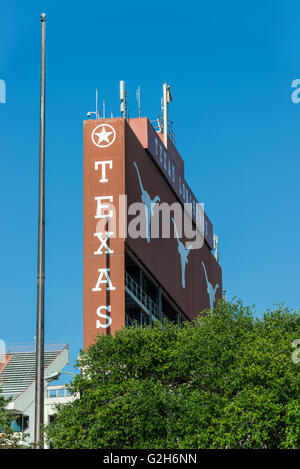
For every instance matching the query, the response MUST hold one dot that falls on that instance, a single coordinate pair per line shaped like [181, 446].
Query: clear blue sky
[230, 66]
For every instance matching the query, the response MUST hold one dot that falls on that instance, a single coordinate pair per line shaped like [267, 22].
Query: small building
[17, 381]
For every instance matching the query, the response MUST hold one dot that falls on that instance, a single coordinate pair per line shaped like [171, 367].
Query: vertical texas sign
[122, 169]
[103, 250]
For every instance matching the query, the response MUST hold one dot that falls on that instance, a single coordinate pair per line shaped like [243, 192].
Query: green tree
[8, 438]
[226, 380]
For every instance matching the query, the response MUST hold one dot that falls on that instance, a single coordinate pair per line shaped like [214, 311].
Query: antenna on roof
[216, 247]
[166, 101]
[97, 113]
[103, 113]
[97, 104]
[123, 99]
[138, 97]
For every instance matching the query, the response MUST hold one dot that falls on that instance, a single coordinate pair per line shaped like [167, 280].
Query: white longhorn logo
[148, 202]
[210, 289]
[183, 252]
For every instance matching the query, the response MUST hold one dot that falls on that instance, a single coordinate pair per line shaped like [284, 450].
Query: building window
[20, 423]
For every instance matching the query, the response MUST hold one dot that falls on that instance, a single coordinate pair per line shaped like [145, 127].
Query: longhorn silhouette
[183, 252]
[210, 289]
[148, 202]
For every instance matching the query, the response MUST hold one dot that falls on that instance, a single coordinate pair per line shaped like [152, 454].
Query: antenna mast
[216, 246]
[138, 97]
[97, 112]
[166, 101]
[123, 99]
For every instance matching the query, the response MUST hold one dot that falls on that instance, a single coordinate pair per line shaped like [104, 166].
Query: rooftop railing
[22, 347]
[137, 292]
[57, 391]
[158, 125]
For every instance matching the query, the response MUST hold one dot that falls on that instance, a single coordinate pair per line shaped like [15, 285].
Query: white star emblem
[103, 135]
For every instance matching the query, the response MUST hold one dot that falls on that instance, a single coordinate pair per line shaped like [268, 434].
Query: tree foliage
[226, 380]
[8, 438]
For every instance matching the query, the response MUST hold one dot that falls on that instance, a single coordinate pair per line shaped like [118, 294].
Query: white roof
[19, 373]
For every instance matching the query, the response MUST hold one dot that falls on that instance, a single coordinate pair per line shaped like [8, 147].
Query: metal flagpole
[39, 381]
